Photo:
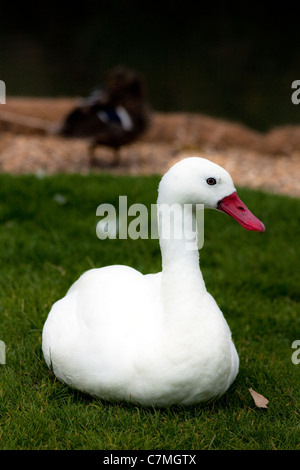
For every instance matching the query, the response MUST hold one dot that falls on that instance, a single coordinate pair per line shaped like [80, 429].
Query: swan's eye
[211, 181]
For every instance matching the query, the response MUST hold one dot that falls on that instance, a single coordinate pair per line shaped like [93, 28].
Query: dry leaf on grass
[259, 399]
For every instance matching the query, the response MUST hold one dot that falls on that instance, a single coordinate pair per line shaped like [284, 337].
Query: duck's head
[197, 180]
[122, 83]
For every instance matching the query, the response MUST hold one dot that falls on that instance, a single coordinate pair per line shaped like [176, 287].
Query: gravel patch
[269, 161]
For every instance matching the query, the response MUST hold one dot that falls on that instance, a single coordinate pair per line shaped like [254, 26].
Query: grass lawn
[48, 238]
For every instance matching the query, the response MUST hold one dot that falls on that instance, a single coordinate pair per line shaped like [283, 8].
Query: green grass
[254, 277]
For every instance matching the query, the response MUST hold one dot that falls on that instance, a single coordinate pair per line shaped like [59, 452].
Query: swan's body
[154, 339]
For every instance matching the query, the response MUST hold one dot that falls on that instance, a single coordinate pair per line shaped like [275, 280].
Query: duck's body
[154, 339]
[113, 116]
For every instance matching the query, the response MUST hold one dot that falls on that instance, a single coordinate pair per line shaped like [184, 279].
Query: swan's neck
[182, 281]
[178, 236]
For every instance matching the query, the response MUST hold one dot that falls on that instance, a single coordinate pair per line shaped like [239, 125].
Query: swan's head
[196, 180]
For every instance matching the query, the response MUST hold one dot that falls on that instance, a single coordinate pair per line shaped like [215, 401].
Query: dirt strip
[269, 161]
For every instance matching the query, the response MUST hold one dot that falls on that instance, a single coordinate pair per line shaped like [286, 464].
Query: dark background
[237, 63]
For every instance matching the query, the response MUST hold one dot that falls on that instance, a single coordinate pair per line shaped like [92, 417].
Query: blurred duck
[114, 115]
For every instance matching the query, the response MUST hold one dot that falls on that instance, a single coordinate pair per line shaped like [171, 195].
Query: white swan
[155, 339]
